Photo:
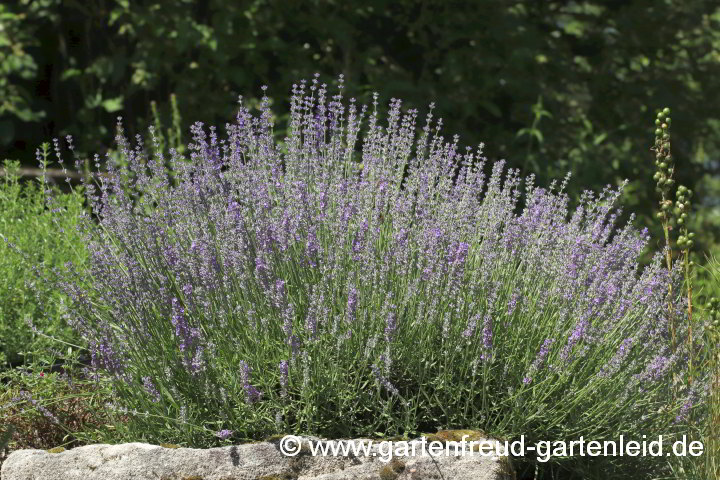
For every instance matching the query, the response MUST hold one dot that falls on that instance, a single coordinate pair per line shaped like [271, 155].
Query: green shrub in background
[29, 235]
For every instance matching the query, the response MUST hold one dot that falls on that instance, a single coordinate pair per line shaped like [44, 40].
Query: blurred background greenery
[551, 86]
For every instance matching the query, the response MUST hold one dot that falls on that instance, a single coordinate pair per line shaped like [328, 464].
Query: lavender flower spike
[252, 394]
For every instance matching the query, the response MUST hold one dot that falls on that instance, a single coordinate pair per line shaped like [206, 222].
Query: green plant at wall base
[30, 236]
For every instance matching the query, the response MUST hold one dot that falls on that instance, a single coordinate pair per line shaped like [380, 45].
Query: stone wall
[256, 461]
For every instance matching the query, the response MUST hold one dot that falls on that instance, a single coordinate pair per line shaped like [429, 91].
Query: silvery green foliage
[395, 284]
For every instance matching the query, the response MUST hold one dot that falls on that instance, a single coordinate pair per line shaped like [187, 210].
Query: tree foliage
[553, 86]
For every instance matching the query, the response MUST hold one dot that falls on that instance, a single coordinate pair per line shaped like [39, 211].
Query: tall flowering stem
[664, 178]
[685, 241]
[674, 214]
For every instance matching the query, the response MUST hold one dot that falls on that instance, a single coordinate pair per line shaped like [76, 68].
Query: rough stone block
[254, 461]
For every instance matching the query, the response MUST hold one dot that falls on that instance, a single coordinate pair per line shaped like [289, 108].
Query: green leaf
[92, 101]
[114, 15]
[522, 131]
[27, 115]
[113, 104]
[70, 73]
[537, 134]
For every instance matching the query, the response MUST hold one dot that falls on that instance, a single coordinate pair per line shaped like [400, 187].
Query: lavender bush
[306, 286]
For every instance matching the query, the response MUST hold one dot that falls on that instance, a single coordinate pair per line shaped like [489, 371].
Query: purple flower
[280, 296]
[262, 272]
[352, 304]
[539, 361]
[103, 354]
[656, 369]
[382, 380]
[487, 337]
[358, 243]
[616, 362]
[316, 309]
[283, 377]
[187, 335]
[471, 326]
[690, 400]
[512, 303]
[151, 389]
[458, 253]
[224, 434]
[577, 335]
[252, 394]
[23, 395]
[313, 248]
[390, 326]
[683, 413]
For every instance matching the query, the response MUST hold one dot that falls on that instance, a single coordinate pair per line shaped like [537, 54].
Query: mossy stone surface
[263, 461]
[392, 470]
[456, 436]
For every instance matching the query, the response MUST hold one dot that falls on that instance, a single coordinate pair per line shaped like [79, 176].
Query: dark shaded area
[234, 456]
